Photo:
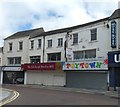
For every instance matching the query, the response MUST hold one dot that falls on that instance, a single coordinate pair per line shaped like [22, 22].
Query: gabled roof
[115, 15]
[69, 29]
[32, 33]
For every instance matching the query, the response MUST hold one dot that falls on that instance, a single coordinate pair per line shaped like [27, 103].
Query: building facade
[82, 50]
[1, 56]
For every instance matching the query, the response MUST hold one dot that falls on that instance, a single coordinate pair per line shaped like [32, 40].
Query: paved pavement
[4, 94]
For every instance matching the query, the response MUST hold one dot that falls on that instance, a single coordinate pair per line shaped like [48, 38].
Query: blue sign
[114, 59]
[113, 34]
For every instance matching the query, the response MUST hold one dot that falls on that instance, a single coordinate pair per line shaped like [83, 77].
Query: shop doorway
[114, 76]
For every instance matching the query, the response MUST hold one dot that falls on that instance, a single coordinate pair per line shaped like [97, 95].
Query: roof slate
[69, 29]
[115, 15]
[40, 31]
[32, 33]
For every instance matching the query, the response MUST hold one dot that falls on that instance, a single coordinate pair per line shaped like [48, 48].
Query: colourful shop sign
[11, 68]
[86, 65]
[43, 66]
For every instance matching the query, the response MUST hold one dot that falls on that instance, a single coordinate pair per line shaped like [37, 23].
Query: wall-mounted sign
[113, 34]
[69, 52]
[86, 65]
[11, 68]
[39, 66]
[114, 59]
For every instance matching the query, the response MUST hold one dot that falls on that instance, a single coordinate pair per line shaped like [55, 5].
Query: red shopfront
[44, 74]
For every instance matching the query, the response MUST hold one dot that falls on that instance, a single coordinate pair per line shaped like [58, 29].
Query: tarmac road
[39, 96]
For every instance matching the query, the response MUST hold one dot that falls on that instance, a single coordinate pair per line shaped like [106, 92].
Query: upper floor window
[32, 44]
[34, 59]
[60, 42]
[54, 57]
[90, 53]
[10, 46]
[75, 38]
[84, 54]
[0, 61]
[39, 43]
[14, 60]
[93, 34]
[20, 45]
[78, 55]
[49, 43]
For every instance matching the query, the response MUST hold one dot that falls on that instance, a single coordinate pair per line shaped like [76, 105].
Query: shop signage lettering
[11, 69]
[117, 59]
[88, 65]
[114, 59]
[113, 34]
[40, 66]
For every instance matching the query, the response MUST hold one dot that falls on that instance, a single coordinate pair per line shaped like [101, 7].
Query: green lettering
[98, 64]
[76, 65]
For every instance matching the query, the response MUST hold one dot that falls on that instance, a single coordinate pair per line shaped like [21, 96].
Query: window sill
[39, 48]
[31, 49]
[48, 47]
[93, 41]
[59, 46]
[9, 51]
[55, 61]
[74, 44]
[85, 59]
[19, 50]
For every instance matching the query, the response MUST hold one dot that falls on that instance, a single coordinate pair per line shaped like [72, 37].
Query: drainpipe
[43, 48]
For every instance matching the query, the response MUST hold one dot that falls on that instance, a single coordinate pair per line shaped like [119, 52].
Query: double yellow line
[15, 95]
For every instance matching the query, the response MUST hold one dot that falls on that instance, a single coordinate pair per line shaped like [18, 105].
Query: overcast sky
[19, 15]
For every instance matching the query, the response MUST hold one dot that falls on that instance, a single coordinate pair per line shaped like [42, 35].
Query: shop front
[87, 74]
[44, 74]
[12, 75]
[114, 68]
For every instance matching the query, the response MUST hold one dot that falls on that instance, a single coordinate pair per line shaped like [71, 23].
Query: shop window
[90, 54]
[84, 54]
[93, 34]
[14, 60]
[54, 57]
[35, 59]
[78, 55]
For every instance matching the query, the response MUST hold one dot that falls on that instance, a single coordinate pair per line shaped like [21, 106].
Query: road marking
[16, 94]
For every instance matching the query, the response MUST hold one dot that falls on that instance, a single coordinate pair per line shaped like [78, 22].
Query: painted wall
[55, 48]
[85, 43]
[1, 54]
[102, 44]
[36, 51]
[16, 52]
